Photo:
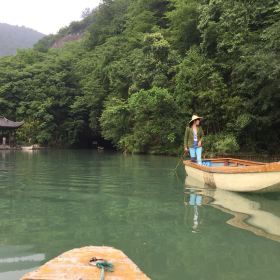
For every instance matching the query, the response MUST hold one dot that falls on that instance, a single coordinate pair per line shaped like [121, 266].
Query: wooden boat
[236, 174]
[76, 264]
[32, 147]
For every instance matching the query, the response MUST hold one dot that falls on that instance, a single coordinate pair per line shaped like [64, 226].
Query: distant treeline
[16, 37]
[143, 68]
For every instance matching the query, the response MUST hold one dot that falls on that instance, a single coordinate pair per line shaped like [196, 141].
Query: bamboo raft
[75, 265]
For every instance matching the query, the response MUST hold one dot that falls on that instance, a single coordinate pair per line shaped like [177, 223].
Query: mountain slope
[16, 37]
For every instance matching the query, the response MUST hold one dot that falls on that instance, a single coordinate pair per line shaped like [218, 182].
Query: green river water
[53, 201]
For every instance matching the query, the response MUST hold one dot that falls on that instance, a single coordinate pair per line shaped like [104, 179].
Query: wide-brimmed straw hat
[195, 117]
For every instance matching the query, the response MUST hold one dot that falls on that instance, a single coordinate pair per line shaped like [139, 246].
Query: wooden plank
[74, 265]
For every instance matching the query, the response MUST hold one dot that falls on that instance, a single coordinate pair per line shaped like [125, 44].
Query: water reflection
[18, 259]
[254, 213]
[195, 200]
[54, 201]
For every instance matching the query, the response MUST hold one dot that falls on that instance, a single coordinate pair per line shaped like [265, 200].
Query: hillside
[16, 37]
[73, 32]
[132, 72]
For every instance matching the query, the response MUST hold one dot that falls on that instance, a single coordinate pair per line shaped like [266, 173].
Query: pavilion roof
[5, 123]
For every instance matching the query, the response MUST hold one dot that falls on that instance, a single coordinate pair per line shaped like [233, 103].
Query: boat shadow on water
[256, 213]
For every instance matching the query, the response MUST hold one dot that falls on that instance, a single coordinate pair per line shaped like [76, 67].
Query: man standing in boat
[193, 139]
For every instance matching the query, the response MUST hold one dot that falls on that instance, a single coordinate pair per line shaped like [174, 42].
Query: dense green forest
[143, 68]
[16, 37]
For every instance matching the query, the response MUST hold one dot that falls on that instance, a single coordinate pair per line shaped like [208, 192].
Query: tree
[183, 26]
[86, 12]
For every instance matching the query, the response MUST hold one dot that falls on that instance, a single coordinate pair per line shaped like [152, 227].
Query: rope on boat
[103, 265]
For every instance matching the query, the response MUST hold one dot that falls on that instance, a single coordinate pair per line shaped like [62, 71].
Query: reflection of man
[195, 201]
[4, 141]
[195, 220]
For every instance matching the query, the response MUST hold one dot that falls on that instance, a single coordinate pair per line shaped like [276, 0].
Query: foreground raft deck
[75, 265]
[236, 174]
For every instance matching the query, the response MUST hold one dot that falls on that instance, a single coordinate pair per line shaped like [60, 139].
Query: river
[52, 201]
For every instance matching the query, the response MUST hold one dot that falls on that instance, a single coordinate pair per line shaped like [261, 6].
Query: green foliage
[115, 120]
[183, 27]
[154, 64]
[28, 132]
[109, 20]
[200, 88]
[155, 123]
[220, 144]
[143, 68]
[141, 124]
[45, 43]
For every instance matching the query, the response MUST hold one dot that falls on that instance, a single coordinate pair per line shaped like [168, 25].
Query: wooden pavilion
[7, 132]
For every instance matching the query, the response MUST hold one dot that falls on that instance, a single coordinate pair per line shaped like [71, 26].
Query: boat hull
[247, 178]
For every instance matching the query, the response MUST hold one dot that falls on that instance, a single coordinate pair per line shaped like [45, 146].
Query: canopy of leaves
[143, 68]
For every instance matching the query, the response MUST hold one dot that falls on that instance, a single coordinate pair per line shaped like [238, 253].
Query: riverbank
[262, 157]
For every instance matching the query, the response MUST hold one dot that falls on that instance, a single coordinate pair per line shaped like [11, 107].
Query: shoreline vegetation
[140, 69]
